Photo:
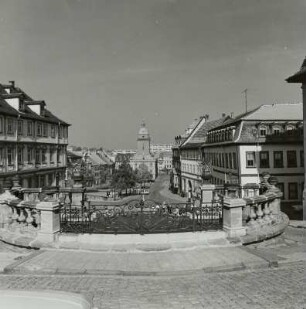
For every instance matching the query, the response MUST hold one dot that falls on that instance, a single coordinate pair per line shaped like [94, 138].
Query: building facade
[33, 141]
[143, 156]
[268, 139]
[192, 166]
[158, 148]
[165, 161]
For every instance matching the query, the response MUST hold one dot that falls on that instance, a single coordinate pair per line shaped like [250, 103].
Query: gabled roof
[199, 136]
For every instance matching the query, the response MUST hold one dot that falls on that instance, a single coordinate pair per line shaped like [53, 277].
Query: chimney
[12, 82]
[223, 115]
[206, 116]
[232, 115]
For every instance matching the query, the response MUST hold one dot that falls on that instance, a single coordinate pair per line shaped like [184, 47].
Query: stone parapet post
[207, 193]
[50, 221]
[232, 217]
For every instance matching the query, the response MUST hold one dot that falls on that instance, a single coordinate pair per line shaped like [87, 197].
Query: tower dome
[143, 131]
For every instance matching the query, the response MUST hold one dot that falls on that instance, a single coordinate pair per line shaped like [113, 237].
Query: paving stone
[264, 288]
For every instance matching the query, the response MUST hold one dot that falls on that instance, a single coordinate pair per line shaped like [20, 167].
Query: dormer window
[276, 130]
[289, 130]
[262, 131]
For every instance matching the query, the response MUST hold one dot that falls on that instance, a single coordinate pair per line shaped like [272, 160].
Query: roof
[284, 111]
[6, 109]
[199, 136]
[97, 159]
[245, 124]
[300, 76]
[74, 155]
[268, 112]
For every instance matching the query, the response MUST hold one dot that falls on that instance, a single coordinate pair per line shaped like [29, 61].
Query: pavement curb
[14, 267]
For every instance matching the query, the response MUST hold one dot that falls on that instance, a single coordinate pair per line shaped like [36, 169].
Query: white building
[267, 139]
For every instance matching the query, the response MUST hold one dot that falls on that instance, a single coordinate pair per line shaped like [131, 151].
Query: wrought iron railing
[141, 217]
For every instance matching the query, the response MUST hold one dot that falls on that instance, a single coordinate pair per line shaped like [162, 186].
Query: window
[226, 160]
[264, 159]
[45, 129]
[42, 181]
[30, 154]
[20, 155]
[280, 186]
[302, 158]
[290, 130]
[276, 131]
[30, 128]
[278, 159]
[37, 156]
[291, 158]
[230, 161]
[10, 156]
[39, 129]
[235, 160]
[44, 157]
[53, 131]
[1, 124]
[292, 191]
[60, 135]
[20, 127]
[10, 126]
[250, 159]
[262, 131]
[1, 156]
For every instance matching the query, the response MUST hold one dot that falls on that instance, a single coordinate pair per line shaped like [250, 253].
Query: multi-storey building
[192, 165]
[268, 139]
[33, 141]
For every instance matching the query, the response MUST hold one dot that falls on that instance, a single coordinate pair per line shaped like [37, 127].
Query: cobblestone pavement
[288, 247]
[273, 288]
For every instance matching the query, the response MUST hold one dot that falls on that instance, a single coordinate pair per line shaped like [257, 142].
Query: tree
[143, 174]
[123, 178]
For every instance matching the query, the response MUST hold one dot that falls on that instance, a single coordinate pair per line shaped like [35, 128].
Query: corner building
[33, 141]
[267, 139]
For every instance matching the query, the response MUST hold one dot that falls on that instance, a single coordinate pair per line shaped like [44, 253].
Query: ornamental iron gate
[141, 217]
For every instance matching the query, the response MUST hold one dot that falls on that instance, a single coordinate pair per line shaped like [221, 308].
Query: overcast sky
[104, 65]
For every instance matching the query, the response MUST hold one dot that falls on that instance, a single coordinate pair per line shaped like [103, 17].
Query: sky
[105, 65]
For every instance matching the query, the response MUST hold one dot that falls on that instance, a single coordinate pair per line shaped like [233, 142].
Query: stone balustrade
[30, 222]
[255, 218]
[18, 215]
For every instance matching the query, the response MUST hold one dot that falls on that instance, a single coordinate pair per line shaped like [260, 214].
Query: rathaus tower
[143, 155]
